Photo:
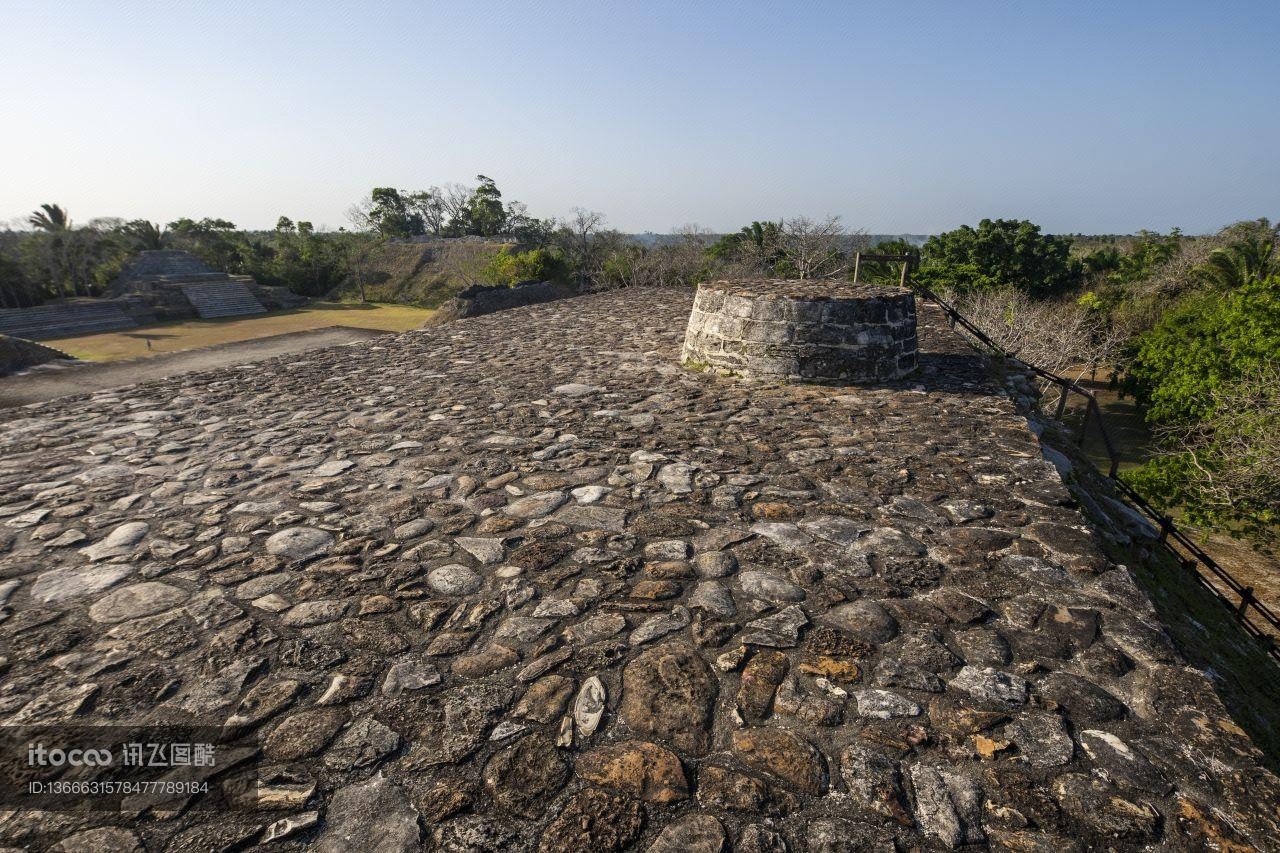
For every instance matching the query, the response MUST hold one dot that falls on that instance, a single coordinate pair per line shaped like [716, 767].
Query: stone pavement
[523, 583]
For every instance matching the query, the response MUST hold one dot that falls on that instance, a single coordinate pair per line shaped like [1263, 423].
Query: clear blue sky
[899, 116]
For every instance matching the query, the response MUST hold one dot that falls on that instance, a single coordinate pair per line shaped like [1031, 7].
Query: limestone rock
[375, 815]
[784, 755]
[643, 770]
[667, 693]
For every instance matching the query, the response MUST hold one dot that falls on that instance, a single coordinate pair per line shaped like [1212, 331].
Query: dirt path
[62, 379]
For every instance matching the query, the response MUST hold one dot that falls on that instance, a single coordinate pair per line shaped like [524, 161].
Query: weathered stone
[409, 674]
[715, 564]
[659, 626]
[118, 542]
[1043, 739]
[136, 601]
[545, 700]
[60, 584]
[883, 704]
[522, 777]
[454, 579]
[760, 680]
[365, 742]
[768, 587]
[303, 733]
[667, 693]
[1123, 763]
[636, 768]
[375, 815]
[593, 820]
[784, 755]
[874, 782]
[299, 543]
[781, 630]
[1084, 701]
[694, 833]
[460, 727]
[1096, 807]
[536, 506]
[863, 620]
[991, 685]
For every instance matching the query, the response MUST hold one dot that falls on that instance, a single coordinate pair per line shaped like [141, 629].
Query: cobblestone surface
[523, 583]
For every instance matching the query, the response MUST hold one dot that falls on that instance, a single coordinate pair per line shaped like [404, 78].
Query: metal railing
[1247, 609]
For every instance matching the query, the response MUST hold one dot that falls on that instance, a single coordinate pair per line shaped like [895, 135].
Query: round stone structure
[802, 330]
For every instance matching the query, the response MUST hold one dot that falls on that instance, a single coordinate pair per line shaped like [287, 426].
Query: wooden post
[906, 262]
[857, 261]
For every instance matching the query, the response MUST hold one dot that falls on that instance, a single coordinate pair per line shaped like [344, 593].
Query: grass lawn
[192, 334]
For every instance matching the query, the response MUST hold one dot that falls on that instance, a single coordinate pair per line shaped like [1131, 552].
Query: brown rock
[489, 659]
[727, 788]
[668, 569]
[832, 668]
[774, 511]
[594, 821]
[667, 693]
[693, 833]
[784, 755]
[524, 776]
[760, 679]
[303, 734]
[446, 798]
[656, 590]
[643, 770]
[545, 700]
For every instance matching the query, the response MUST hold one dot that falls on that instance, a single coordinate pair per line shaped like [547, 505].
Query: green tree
[508, 267]
[486, 213]
[1001, 253]
[1208, 340]
[390, 213]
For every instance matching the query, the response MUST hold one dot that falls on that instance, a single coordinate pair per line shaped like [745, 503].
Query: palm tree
[1249, 260]
[50, 217]
[146, 235]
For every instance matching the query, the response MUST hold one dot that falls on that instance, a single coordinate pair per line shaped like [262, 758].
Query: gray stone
[864, 619]
[70, 581]
[784, 534]
[118, 542]
[313, 613]
[715, 564]
[409, 674]
[454, 579]
[299, 543]
[365, 742]
[693, 833]
[713, 597]
[536, 505]
[769, 587]
[781, 630]
[486, 551]
[660, 625]
[136, 601]
[882, 705]
[375, 816]
[992, 685]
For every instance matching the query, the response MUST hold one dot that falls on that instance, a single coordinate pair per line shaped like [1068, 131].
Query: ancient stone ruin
[802, 330]
[523, 583]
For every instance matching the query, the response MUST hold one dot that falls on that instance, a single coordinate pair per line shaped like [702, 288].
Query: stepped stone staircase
[65, 319]
[221, 298]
